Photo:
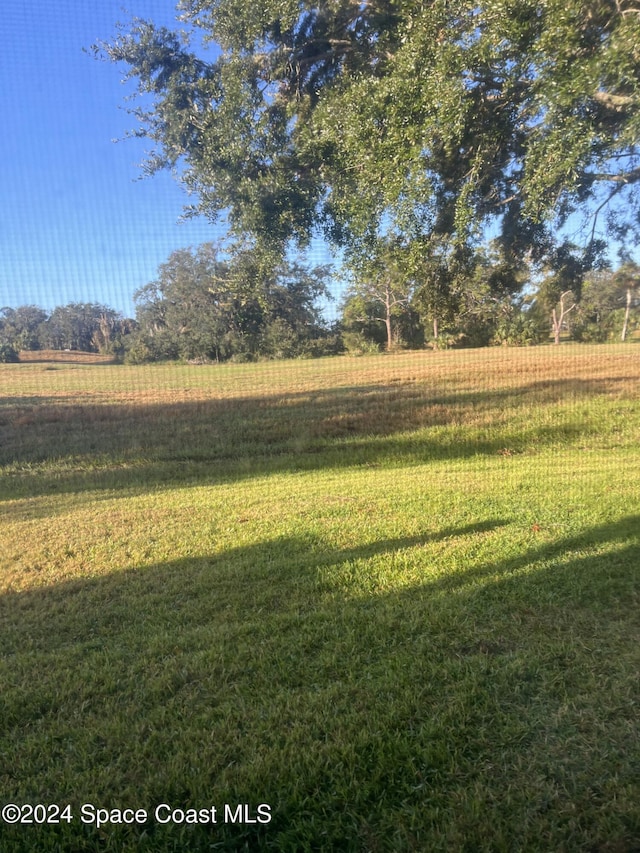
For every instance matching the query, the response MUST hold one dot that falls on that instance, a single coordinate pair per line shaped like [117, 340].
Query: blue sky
[77, 224]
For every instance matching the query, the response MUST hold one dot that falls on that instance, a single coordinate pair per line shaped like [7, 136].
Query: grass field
[393, 598]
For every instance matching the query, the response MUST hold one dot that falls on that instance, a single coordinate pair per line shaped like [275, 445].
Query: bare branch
[613, 102]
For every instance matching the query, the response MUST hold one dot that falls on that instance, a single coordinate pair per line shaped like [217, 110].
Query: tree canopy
[211, 305]
[90, 327]
[442, 121]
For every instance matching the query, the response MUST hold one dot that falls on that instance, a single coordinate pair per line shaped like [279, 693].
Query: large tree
[21, 327]
[207, 303]
[437, 119]
[85, 326]
[380, 290]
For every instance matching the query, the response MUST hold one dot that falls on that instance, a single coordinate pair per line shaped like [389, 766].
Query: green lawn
[394, 598]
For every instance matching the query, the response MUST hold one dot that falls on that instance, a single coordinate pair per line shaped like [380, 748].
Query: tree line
[204, 305]
[483, 303]
[211, 305]
[88, 327]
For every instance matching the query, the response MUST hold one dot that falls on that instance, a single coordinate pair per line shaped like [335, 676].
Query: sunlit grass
[394, 598]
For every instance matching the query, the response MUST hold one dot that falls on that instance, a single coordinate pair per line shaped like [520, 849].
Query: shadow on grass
[491, 709]
[137, 446]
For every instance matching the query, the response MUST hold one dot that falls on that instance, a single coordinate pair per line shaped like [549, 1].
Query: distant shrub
[445, 340]
[242, 358]
[138, 353]
[520, 329]
[8, 354]
[475, 333]
[592, 333]
[319, 347]
[279, 340]
[356, 343]
[200, 360]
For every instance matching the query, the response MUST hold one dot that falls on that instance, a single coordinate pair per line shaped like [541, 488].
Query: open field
[394, 598]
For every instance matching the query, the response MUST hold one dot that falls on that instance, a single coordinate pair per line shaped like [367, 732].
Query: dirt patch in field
[64, 357]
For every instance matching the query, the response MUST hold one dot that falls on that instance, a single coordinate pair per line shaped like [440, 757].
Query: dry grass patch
[169, 411]
[63, 357]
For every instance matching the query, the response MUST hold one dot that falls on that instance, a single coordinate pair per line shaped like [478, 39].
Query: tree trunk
[387, 318]
[556, 327]
[435, 328]
[557, 320]
[625, 325]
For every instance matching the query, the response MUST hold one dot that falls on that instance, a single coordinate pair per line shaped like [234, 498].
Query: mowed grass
[394, 598]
